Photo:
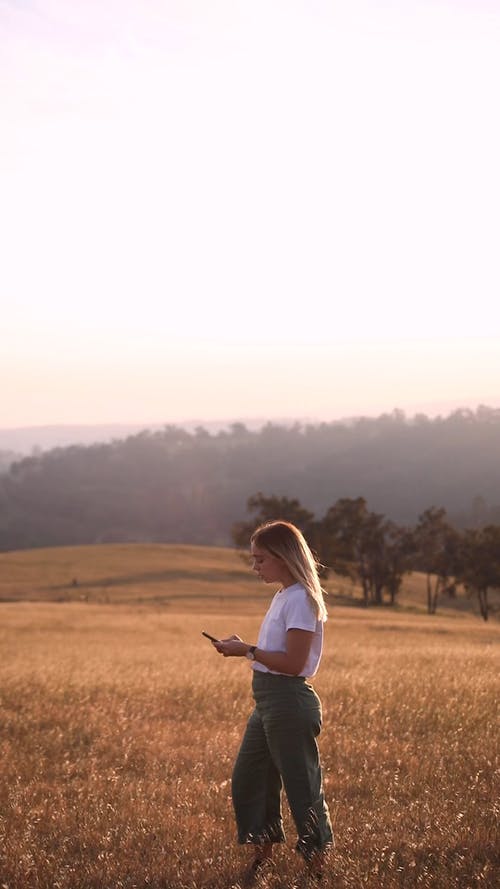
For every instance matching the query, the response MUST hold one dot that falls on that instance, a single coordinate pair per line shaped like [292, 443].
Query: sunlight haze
[235, 209]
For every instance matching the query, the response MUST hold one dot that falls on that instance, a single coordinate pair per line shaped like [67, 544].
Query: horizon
[433, 412]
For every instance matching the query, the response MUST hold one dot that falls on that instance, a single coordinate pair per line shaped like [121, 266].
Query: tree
[479, 568]
[437, 545]
[270, 509]
[352, 539]
[398, 549]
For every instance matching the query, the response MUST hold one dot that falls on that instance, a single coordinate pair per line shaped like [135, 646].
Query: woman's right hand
[220, 642]
[232, 646]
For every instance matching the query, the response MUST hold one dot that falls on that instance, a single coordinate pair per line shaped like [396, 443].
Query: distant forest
[173, 485]
[7, 458]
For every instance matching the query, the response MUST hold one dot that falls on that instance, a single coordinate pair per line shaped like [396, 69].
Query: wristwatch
[251, 653]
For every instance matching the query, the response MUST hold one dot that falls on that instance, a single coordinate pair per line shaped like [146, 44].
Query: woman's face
[270, 568]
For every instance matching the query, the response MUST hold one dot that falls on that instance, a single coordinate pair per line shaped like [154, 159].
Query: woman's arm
[291, 661]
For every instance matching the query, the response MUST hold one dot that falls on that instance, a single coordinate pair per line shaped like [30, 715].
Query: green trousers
[279, 749]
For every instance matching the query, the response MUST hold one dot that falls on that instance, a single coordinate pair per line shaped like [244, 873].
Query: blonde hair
[286, 542]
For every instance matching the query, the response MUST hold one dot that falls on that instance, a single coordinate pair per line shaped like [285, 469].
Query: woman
[279, 746]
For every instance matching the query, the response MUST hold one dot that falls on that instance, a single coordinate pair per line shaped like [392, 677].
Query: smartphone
[208, 636]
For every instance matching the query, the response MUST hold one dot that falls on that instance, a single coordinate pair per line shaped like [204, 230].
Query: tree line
[368, 548]
[178, 486]
[6, 459]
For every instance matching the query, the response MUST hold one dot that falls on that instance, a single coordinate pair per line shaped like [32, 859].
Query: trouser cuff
[271, 833]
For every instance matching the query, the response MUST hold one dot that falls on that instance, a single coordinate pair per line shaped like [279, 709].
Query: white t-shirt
[291, 609]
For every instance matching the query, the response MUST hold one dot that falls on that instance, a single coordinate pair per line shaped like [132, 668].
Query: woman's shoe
[316, 866]
[257, 868]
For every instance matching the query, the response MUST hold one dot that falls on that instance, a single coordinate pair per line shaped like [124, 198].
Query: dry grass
[171, 576]
[119, 726]
[127, 573]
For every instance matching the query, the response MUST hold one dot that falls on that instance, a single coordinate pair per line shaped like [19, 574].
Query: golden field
[120, 724]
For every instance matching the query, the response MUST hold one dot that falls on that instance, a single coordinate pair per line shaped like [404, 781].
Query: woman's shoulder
[294, 589]
[296, 593]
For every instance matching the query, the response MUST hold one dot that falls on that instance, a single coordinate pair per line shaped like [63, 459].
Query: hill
[24, 440]
[177, 486]
[169, 576]
[125, 573]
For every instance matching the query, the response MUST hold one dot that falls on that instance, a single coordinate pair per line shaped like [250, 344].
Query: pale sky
[214, 209]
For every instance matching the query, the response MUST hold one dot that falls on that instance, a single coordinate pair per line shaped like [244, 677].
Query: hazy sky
[220, 209]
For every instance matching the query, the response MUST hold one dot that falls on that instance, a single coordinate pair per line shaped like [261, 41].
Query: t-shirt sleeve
[299, 614]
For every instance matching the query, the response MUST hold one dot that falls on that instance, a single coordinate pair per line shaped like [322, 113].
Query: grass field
[171, 576]
[120, 724]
